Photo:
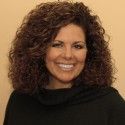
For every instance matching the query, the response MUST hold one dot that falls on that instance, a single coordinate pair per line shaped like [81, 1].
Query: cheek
[81, 62]
[81, 57]
[51, 55]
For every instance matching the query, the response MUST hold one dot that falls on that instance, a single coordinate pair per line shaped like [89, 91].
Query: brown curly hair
[27, 69]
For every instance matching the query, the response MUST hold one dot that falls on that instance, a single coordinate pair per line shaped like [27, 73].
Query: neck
[54, 84]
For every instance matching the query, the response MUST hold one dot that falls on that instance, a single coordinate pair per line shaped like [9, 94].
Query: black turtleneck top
[79, 105]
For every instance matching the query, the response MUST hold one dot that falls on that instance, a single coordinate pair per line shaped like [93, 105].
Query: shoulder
[115, 98]
[112, 97]
[15, 95]
[14, 103]
[117, 107]
[18, 99]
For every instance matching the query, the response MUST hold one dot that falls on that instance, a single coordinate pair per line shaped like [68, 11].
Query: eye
[58, 45]
[79, 46]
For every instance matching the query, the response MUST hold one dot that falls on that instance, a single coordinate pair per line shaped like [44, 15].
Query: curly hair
[27, 69]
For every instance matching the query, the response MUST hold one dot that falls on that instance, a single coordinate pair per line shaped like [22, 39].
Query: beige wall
[12, 12]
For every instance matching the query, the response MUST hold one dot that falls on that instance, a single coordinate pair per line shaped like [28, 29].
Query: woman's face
[65, 57]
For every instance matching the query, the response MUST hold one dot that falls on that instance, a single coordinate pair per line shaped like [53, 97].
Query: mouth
[66, 67]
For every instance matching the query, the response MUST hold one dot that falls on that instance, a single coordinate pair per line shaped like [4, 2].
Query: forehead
[71, 33]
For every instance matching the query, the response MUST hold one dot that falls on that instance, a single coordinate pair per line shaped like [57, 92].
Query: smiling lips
[66, 67]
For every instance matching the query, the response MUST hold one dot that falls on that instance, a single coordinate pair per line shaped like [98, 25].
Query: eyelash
[79, 46]
[56, 45]
[76, 46]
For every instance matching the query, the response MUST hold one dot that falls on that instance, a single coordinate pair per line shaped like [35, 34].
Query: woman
[61, 70]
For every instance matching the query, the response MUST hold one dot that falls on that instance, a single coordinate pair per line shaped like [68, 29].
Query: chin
[66, 80]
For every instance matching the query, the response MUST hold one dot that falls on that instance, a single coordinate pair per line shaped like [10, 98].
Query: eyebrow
[79, 42]
[58, 41]
[75, 42]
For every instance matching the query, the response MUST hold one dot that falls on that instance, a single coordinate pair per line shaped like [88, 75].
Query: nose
[67, 53]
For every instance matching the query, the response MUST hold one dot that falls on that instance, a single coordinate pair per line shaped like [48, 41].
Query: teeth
[65, 66]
